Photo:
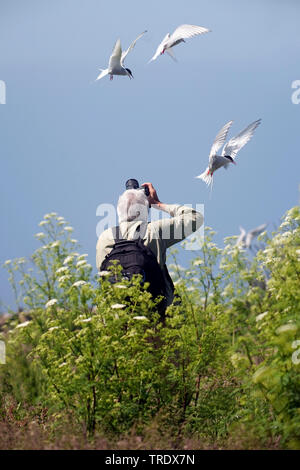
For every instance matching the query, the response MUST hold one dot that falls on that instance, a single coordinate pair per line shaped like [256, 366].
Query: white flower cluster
[82, 257]
[83, 264]
[40, 235]
[198, 262]
[50, 303]
[79, 283]
[64, 278]
[55, 244]
[261, 316]
[289, 327]
[80, 263]
[22, 325]
[53, 328]
[68, 259]
[104, 273]
[62, 270]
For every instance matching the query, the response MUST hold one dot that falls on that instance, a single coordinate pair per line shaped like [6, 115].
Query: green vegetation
[92, 359]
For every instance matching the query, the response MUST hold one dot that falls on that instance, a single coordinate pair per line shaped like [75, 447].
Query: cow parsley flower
[81, 263]
[63, 278]
[104, 273]
[53, 328]
[68, 259]
[40, 235]
[261, 316]
[286, 328]
[81, 257]
[55, 244]
[22, 325]
[197, 262]
[79, 283]
[50, 303]
[62, 269]
[118, 306]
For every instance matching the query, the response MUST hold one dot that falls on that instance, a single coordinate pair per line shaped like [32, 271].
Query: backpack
[136, 258]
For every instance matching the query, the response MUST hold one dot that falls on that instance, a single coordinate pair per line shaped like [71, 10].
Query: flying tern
[245, 238]
[116, 60]
[253, 234]
[181, 33]
[229, 152]
[241, 240]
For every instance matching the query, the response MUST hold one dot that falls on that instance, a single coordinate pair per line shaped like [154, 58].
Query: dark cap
[132, 184]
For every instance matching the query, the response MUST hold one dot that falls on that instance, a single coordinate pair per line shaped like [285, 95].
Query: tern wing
[219, 140]
[254, 233]
[115, 58]
[242, 236]
[186, 31]
[160, 47]
[102, 74]
[171, 54]
[124, 54]
[235, 144]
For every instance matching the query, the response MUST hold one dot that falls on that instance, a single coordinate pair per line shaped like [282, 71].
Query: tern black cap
[134, 184]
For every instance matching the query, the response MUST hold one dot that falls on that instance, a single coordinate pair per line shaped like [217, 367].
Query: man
[159, 235]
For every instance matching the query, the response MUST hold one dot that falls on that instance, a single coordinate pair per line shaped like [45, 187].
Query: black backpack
[136, 258]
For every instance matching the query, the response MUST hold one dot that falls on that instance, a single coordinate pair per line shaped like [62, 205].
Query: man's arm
[183, 222]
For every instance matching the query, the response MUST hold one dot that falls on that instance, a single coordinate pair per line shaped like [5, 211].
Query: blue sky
[68, 144]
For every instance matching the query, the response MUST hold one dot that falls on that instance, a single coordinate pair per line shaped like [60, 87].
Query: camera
[134, 184]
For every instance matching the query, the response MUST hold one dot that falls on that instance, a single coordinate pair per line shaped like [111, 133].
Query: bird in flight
[116, 60]
[245, 239]
[229, 152]
[253, 234]
[242, 236]
[181, 33]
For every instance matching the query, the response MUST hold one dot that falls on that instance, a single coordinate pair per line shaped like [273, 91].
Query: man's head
[133, 205]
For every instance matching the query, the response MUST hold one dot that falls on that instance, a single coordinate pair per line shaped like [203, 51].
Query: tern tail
[206, 176]
[102, 74]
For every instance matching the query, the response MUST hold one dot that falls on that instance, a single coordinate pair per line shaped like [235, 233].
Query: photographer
[159, 235]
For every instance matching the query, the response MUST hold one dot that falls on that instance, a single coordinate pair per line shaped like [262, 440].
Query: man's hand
[152, 198]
